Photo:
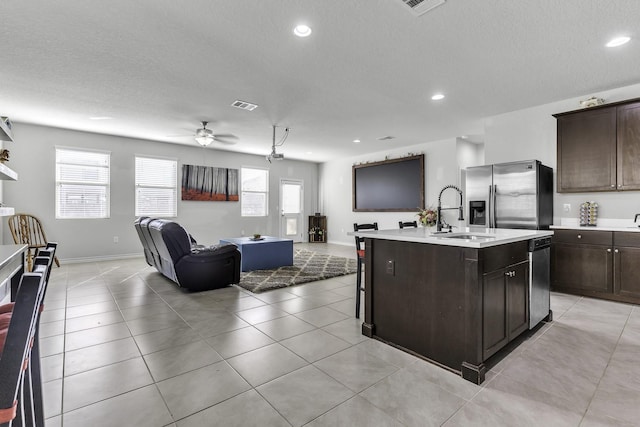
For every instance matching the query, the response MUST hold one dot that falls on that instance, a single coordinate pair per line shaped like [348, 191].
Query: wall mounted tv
[395, 185]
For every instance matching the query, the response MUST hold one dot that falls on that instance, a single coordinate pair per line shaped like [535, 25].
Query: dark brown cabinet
[504, 306]
[581, 260]
[626, 266]
[587, 151]
[598, 149]
[628, 147]
[601, 264]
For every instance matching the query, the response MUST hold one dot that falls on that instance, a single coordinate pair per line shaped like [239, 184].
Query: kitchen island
[454, 299]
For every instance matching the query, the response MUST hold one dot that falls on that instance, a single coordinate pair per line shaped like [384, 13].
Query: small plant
[427, 217]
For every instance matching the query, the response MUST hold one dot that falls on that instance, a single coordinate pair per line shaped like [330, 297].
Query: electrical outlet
[567, 207]
[391, 267]
[115, 239]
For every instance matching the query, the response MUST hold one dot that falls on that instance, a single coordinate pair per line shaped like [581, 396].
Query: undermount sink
[467, 236]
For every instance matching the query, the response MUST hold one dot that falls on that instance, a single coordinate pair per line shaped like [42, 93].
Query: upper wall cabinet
[5, 129]
[599, 148]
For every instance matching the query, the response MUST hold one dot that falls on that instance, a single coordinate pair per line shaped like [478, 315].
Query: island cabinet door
[517, 277]
[494, 313]
[505, 308]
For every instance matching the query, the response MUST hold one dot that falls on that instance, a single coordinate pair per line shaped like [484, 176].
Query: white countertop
[482, 237]
[604, 224]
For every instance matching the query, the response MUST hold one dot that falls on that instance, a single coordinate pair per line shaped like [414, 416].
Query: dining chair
[27, 229]
[408, 224]
[360, 257]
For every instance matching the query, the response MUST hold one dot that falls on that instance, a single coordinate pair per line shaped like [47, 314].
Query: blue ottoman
[263, 254]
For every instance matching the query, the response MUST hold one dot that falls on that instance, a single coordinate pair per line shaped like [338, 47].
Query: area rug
[308, 266]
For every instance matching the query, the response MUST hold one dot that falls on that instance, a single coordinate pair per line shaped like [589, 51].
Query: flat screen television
[395, 185]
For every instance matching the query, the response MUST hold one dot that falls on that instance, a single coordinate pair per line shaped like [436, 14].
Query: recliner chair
[196, 268]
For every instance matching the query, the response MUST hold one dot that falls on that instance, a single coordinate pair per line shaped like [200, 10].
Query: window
[82, 183]
[255, 192]
[156, 187]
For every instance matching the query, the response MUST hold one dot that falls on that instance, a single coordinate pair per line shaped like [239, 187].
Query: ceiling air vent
[243, 105]
[386, 138]
[420, 7]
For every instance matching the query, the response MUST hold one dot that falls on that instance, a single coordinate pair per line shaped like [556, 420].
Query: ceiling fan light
[204, 140]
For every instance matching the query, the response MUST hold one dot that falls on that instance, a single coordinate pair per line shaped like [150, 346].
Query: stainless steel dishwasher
[539, 280]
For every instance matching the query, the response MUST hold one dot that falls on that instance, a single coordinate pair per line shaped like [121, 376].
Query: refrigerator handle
[493, 206]
[490, 208]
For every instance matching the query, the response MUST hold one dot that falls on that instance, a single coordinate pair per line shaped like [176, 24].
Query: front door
[291, 222]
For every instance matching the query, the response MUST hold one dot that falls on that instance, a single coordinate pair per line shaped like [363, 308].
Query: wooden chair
[26, 229]
[408, 224]
[360, 256]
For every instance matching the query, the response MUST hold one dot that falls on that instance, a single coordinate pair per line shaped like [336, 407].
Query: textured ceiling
[159, 67]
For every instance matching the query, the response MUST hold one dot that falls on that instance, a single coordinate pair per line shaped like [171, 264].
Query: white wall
[33, 157]
[531, 134]
[441, 168]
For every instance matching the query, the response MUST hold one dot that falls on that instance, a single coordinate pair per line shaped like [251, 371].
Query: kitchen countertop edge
[499, 236]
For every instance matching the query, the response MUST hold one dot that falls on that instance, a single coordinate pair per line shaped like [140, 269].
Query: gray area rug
[308, 266]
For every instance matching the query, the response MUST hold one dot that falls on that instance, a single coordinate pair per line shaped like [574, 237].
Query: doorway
[291, 210]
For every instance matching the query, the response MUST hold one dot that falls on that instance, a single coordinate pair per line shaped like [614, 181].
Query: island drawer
[587, 237]
[497, 257]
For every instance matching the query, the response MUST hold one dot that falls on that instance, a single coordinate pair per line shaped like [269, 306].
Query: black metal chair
[408, 224]
[360, 256]
[20, 375]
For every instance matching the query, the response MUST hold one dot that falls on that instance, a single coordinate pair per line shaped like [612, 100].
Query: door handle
[616, 251]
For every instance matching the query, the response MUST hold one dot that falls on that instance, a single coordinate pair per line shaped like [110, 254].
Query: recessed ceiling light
[356, 141]
[309, 152]
[100, 118]
[437, 97]
[302, 30]
[618, 41]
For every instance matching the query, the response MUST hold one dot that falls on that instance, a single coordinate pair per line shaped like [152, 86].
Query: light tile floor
[121, 345]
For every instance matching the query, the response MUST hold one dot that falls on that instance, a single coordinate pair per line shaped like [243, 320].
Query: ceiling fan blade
[223, 139]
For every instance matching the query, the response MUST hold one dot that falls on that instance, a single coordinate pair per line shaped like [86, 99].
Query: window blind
[156, 187]
[255, 192]
[82, 184]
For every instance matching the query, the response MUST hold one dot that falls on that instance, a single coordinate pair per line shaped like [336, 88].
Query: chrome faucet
[440, 208]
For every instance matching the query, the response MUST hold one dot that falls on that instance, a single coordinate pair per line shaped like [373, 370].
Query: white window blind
[82, 183]
[255, 192]
[156, 187]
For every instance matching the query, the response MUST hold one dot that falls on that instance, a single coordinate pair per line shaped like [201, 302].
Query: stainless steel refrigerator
[510, 195]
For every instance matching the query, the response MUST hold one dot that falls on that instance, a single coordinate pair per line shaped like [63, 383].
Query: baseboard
[100, 258]
[333, 242]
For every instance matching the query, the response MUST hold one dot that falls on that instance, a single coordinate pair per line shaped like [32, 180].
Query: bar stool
[408, 224]
[360, 256]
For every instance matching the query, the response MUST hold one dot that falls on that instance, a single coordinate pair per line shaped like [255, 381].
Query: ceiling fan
[274, 155]
[205, 136]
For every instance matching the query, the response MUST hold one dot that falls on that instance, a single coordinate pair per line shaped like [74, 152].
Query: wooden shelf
[7, 173]
[317, 229]
[5, 131]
